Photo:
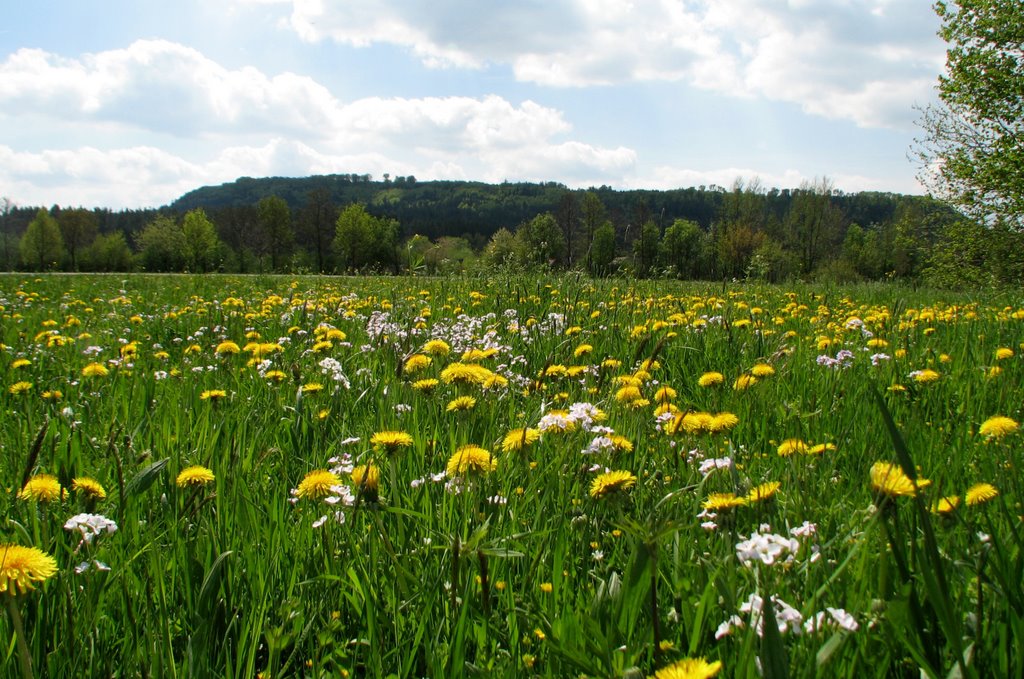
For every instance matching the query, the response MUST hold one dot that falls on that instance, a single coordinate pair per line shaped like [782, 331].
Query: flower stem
[24, 656]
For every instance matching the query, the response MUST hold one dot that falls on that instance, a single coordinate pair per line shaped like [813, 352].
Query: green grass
[522, 572]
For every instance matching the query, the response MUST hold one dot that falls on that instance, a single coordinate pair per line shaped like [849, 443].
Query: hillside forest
[354, 224]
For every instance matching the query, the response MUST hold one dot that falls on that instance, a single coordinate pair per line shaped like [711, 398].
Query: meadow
[525, 476]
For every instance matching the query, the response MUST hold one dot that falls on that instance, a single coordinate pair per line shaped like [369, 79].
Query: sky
[131, 103]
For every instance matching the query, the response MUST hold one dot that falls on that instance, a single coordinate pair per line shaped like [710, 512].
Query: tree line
[351, 223]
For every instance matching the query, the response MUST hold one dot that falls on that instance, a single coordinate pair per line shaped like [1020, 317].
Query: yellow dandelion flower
[546, 587]
[611, 364]
[719, 502]
[95, 370]
[621, 443]
[582, 350]
[980, 493]
[691, 423]
[416, 362]
[461, 403]
[19, 388]
[611, 482]
[494, 381]
[641, 376]
[722, 422]
[820, 448]
[474, 355]
[574, 371]
[997, 427]
[317, 484]
[993, 372]
[22, 567]
[946, 505]
[213, 395]
[926, 376]
[763, 491]
[41, 488]
[391, 441]
[555, 370]
[52, 395]
[261, 351]
[196, 475]
[275, 375]
[20, 363]
[469, 459]
[517, 439]
[792, 447]
[666, 408]
[689, 668]
[366, 477]
[312, 388]
[465, 373]
[90, 488]
[425, 386]
[889, 480]
[711, 379]
[664, 394]
[762, 370]
[436, 347]
[1003, 353]
[628, 394]
[335, 335]
[744, 382]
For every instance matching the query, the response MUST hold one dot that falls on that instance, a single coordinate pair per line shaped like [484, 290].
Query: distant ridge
[444, 207]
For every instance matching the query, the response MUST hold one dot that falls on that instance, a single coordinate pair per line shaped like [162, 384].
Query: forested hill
[351, 223]
[476, 210]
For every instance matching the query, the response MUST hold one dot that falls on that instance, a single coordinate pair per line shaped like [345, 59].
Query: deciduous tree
[201, 242]
[275, 221]
[42, 246]
[972, 151]
[78, 228]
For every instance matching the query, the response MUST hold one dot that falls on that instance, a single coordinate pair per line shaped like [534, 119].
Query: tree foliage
[362, 240]
[78, 228]
[542, 240]
[810, 233]
[42, 245]
[201, 242]
[972, 152]
[276, 237]
[162, 245]
[108, 252]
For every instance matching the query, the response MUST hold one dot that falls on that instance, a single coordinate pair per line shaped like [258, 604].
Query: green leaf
[829, 648]
[145, 478]
[773, 650]
[211, 584]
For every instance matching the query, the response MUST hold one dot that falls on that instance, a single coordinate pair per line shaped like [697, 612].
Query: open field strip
[243, 476]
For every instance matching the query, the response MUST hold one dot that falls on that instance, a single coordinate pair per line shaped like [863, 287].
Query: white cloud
[164, 87]
[146, 177]
[155, 86]
[867, 61]
[161, 86]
